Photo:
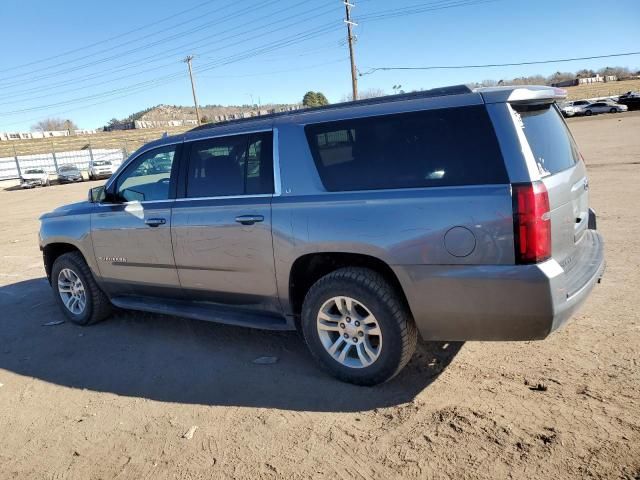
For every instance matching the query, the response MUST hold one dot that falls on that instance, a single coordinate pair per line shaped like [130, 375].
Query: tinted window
[551, 143]
[234, 165]
[431, 148]
[148, 176]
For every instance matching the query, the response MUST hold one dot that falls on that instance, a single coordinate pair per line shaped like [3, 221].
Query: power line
[179, 49]
[219, 46]
[293, 39]
[422, 8]
[118, 55]
[490, 65]
[106, 40]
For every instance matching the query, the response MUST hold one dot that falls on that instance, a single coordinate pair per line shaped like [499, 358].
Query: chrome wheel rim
[72, 291]
[349, 332]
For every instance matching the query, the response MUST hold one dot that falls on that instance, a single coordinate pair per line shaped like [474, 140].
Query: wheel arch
[309, 268]
[52, 251]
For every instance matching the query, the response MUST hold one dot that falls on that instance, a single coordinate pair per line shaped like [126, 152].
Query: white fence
[12, 167]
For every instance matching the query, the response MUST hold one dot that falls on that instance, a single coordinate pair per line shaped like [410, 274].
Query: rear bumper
[500, 302]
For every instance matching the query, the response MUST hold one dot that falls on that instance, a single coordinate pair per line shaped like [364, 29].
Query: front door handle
[154, 222]
[249, 219]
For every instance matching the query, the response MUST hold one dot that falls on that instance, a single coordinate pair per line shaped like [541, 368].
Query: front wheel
[588, 113]
[76, 291]
[358, 327]
[613, 110]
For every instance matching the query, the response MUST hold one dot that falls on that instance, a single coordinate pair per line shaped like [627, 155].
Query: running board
[210, 312]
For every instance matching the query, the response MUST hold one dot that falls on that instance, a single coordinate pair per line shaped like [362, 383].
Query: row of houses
[584, 80]
[7, 136]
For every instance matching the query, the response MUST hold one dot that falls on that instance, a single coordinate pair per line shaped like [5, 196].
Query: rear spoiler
[522, 94]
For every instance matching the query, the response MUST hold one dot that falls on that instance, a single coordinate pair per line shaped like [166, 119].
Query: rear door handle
[249, 219]
[154, 222]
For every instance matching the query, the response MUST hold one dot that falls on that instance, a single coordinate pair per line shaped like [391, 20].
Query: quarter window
[148, 177]
[233, 165]
[432, 148]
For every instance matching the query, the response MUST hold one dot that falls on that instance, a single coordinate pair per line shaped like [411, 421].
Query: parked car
[604, 107]
[569, 110]
[34, 177]
[451, 213]
[100, 169]
[69, 174]
[631, 100]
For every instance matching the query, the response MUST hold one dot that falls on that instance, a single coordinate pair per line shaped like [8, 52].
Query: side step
[210, 312]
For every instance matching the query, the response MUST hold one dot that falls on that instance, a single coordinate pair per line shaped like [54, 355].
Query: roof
[515, 94]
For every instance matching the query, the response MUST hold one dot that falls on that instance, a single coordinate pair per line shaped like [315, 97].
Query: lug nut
[342, 325]
[355, 340]
[361, 334]
[346, 335]
[348, 319]
[357, 323]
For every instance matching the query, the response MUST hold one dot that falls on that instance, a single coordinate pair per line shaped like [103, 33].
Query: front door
[132, 236]
[221, 228]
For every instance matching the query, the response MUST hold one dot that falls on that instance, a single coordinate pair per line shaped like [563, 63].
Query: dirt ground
[114, 400]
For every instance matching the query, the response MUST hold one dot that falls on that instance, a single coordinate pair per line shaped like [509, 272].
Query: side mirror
[96, 194]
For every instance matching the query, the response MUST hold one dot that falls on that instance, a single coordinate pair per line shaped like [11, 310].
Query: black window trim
[184, 166]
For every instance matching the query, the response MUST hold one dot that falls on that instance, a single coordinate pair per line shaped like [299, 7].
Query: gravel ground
[115, 400]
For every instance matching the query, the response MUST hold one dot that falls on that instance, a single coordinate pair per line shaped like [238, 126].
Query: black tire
[588, 113]
[383, 301]
[98, 307]
[613, 110]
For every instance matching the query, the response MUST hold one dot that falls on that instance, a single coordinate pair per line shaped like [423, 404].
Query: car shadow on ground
[178, 360]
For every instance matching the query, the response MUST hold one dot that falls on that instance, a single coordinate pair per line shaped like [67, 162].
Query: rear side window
[233, 165]
[548, 136]
[433, 148]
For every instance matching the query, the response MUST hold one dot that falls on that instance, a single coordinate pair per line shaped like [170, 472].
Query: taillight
[531, 222]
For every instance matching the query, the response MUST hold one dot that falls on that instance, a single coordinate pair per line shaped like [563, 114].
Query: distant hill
[173, 115]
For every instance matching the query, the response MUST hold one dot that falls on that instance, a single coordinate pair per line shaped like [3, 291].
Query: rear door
[221, 227]
[563, 173]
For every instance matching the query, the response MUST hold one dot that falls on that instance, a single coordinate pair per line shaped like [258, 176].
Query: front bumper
[500, 302]
[32, 183]
[69, 179]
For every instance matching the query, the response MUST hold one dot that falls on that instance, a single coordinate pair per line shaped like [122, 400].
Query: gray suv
[451, 213]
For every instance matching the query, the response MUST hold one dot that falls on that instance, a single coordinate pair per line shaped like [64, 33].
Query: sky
[93, 61]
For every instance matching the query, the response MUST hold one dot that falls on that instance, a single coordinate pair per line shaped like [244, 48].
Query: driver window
[147, 177]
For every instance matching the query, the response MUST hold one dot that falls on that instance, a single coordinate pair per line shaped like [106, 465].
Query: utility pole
[193, 86]
[350, 24]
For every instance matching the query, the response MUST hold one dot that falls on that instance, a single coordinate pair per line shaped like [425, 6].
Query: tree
[371, 93]
[619, 72]
[50, 124]
[321, 99]
[309, 99]
[560, 77]
[585, 73]
[204, 119]
[314, 99]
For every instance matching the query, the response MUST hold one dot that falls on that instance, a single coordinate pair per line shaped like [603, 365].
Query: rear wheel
[357, 326]
[77, 293]
[613, 110]
[588, 113]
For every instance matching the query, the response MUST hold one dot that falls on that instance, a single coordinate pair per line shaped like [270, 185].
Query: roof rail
[434, 92]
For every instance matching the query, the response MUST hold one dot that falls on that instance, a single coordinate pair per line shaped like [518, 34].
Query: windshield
[100, 163]
[34, 171]
[68, 168]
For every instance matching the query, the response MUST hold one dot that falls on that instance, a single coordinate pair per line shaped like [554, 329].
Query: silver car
[604, 107]
[451, 214]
